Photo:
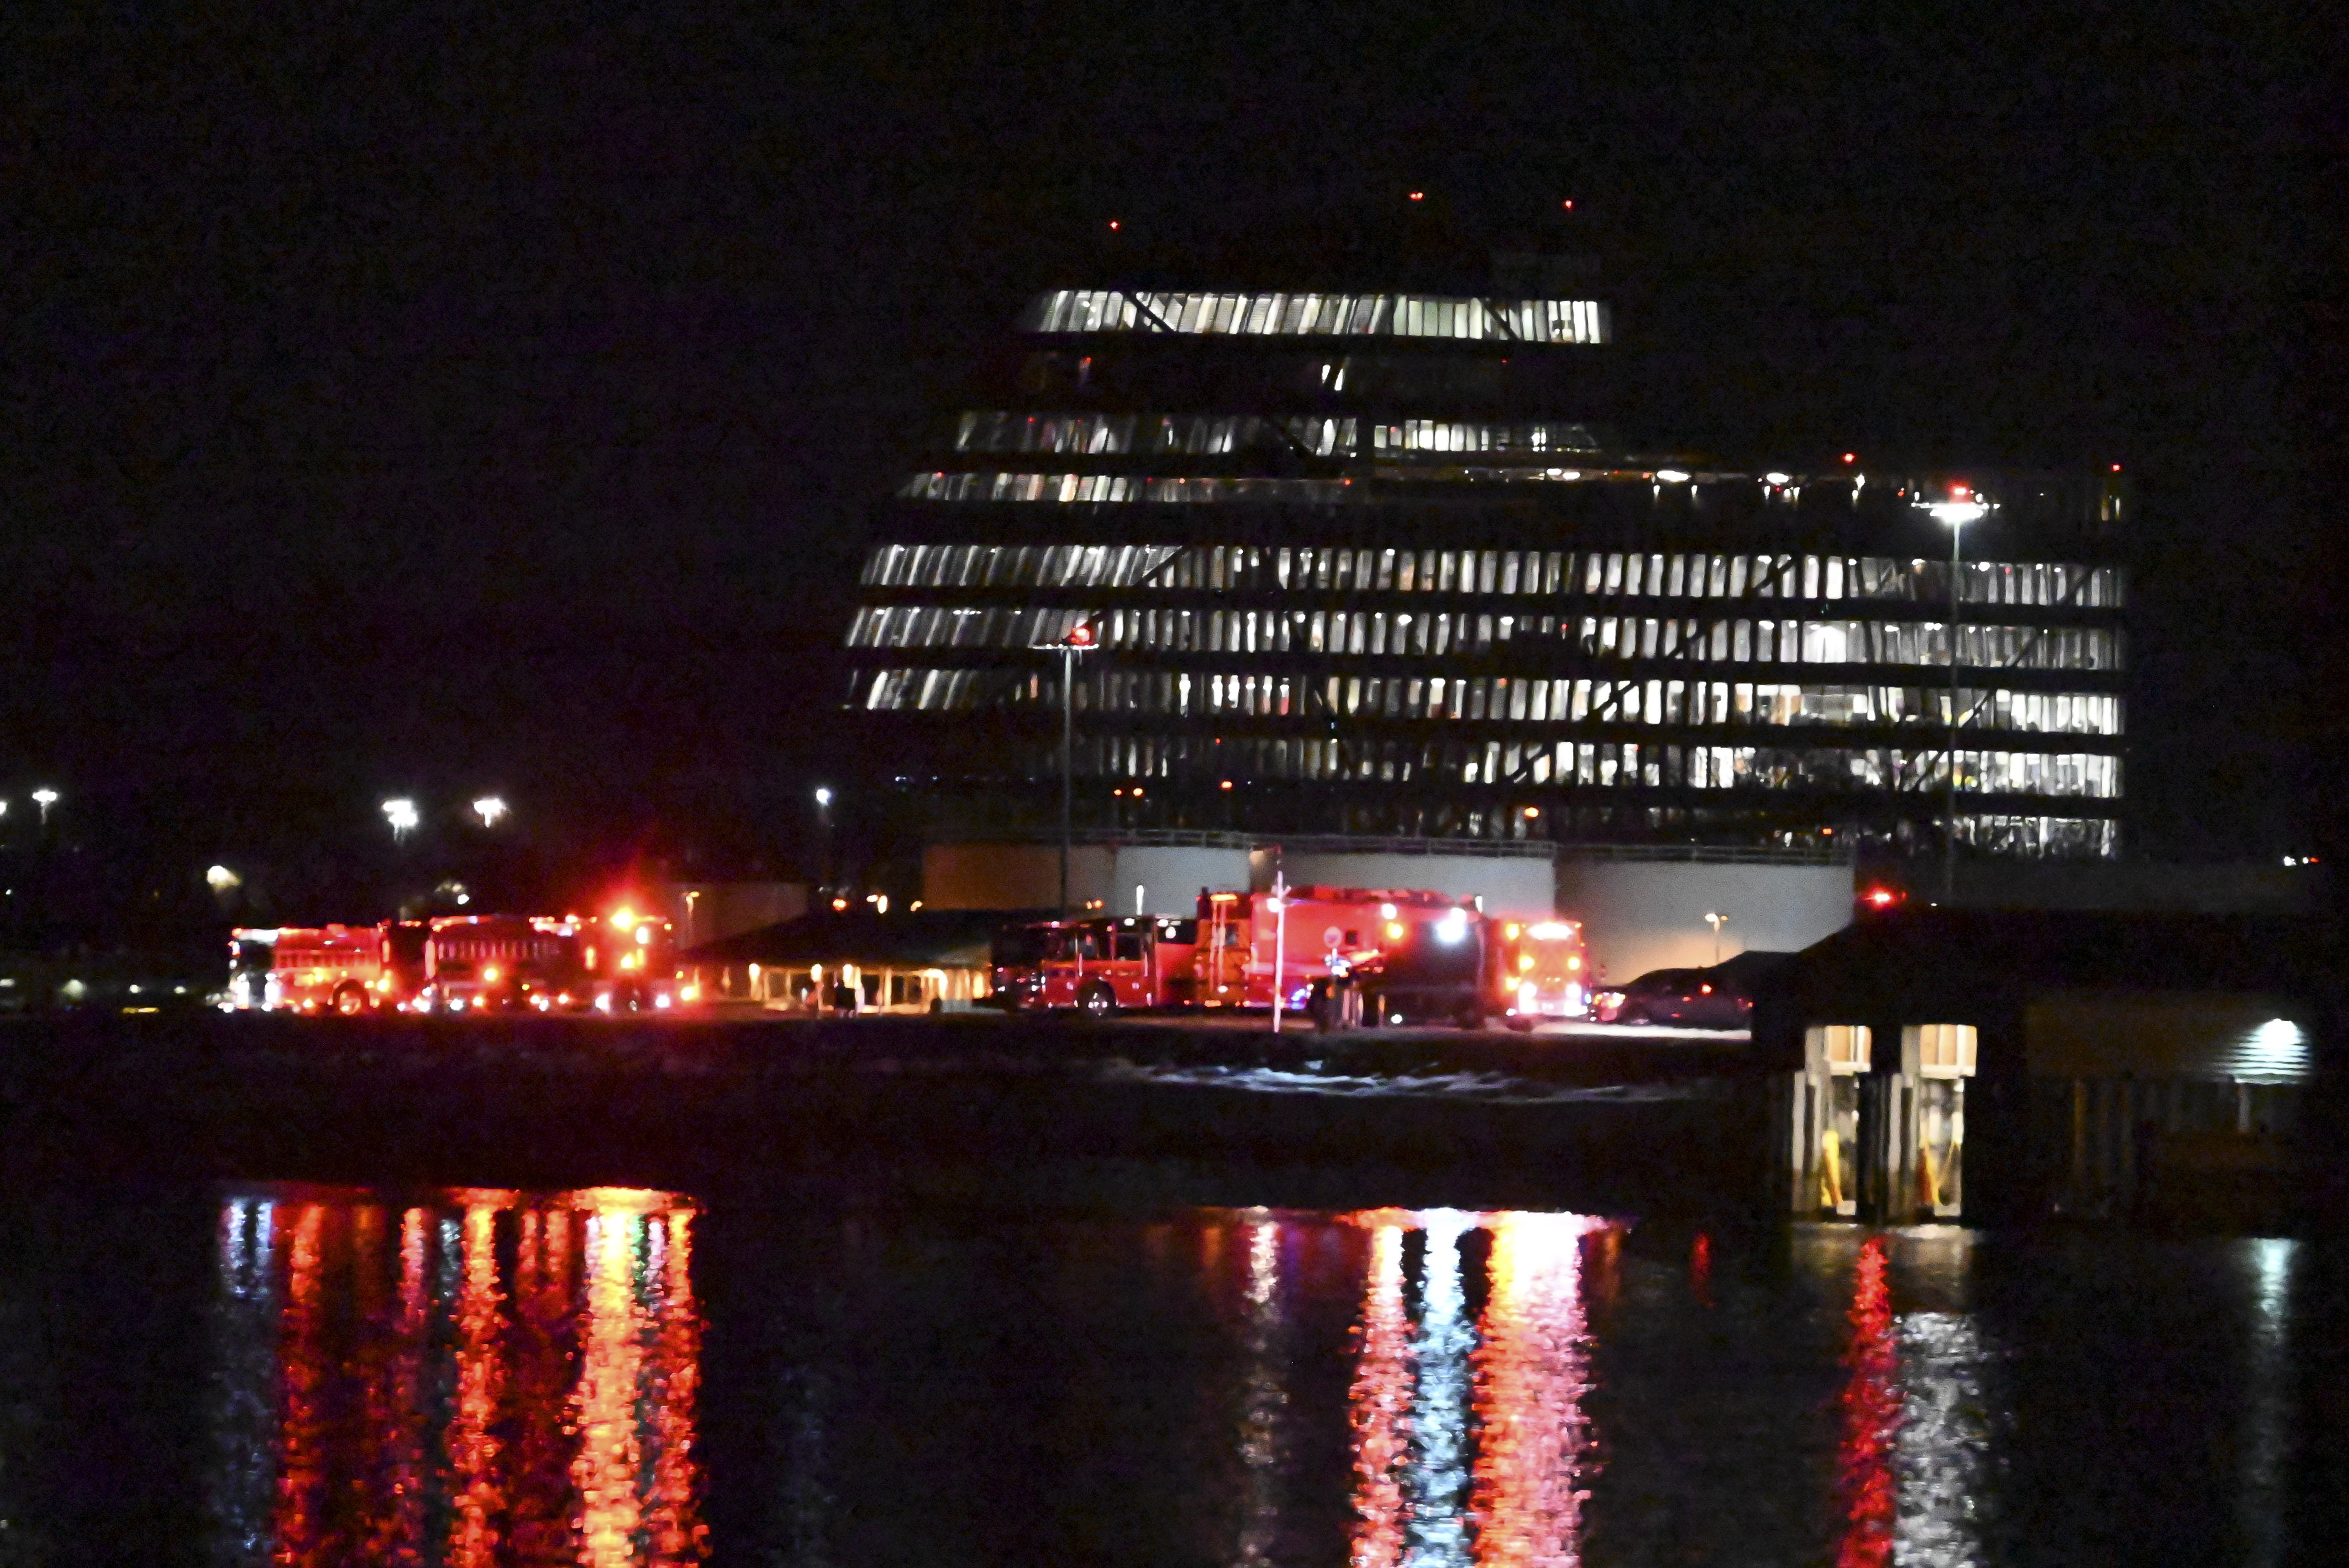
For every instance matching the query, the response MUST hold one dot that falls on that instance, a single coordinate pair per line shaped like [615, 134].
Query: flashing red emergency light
[1081, 636]
[1851, 456]
[1880, 897]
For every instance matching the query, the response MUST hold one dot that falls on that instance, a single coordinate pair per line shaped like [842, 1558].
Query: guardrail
[1490, 849]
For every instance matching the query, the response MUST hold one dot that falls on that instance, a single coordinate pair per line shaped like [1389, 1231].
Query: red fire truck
[624, 962]
[1541, 970]
[628, 961]
[304, 969]
[1099, 964]
[485, 963]
[1412, 956]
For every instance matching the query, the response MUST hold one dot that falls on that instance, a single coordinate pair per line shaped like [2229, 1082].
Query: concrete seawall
[1187, 1111]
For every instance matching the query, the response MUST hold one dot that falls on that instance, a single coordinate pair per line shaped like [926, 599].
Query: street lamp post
[45, 799]
[823, 821]
[1079, 640]
[1279, 944]
[1950, 784]
[1964, 506]
[1716, 922]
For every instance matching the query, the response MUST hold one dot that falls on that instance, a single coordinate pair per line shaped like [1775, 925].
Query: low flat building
[916, 960]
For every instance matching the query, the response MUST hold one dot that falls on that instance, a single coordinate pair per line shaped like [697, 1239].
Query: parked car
[1719, 998]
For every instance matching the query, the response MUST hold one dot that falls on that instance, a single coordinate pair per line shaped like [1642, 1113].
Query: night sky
[435, 400]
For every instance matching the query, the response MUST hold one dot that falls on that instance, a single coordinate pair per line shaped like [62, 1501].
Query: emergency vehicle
[1412, 956]
[483, 963]
[1541, 970]
[1098, 964]
[628, 964]
[304, 969]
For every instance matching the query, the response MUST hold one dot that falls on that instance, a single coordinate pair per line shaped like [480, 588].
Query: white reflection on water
[1940, 1454]
[1263, 1398]
[2267, 1399]
[1437, 1483]
[244, 1390]
[1471, 1443]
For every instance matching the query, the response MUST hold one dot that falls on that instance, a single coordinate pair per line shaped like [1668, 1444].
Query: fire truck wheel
[1097, 1001]
[350, 1000]
[1522, 1025]
[1471, 1017]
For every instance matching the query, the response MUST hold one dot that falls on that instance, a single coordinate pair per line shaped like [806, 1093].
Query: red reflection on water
[1871, 1417]
[302, 1435]
[677, 1534]
[544, 1339]
[1379, 1405]
[1701, 1269]
[1532, 1375]
[474, 1479]
[560, 1402]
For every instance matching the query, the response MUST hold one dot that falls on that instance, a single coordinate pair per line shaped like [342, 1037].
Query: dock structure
[1997, 1066]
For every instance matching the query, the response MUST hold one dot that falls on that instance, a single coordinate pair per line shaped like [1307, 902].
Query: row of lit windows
[1070, 489]
[1198, 434]
[1498, 698]
[1211, 435]
[1551, 321]
[1600, 764]
[1376, 632]
[1595, 572]
[2072, 837]
[1480, 435]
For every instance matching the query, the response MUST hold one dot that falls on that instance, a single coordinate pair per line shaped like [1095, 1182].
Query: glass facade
[1304, 613]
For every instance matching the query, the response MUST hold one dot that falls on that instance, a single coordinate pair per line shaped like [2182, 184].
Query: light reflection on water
[493, 1378]
[1469, 1432]
[489, 1379]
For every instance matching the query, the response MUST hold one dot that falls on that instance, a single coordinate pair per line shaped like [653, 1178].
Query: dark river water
[316, 1376]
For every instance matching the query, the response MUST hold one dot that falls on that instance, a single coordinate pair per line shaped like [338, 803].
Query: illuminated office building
[1375, 563]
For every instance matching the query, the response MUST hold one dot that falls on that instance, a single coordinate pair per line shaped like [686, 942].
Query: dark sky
[434, 398]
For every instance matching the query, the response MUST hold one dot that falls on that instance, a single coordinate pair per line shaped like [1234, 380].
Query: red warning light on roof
[1568, 203]
[1082, 638]
[2116, 468]
[1851, 456]
[1113, 222]
[1417, 195]
[1880, 898]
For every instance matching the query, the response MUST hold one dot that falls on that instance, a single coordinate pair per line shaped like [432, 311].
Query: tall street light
[1964, 506]
[1079, 640]
[402, 815]
[1716, 921]
[45, 799]
[823, 822]
[490, 809]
